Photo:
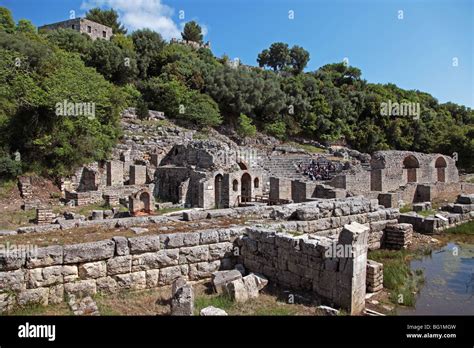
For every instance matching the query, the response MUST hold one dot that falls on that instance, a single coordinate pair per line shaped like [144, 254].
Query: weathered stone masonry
[151, 261]
[312, 264]
[112, 265]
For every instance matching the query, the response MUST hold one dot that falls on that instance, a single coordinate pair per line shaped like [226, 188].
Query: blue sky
[416, 52]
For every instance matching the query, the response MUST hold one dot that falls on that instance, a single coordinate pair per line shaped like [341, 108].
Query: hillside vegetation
[192, 86]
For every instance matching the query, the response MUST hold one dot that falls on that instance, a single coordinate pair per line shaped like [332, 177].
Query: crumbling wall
[335, 270]
[47, 274]
[390, 169]
[280, 188]
[356, 180]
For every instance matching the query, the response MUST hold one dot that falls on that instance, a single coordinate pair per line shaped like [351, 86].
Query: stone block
[47, 256]
[121, 246]
[220, 279]
[131, 281]
[182, 302]
[87, 252]
[92, 270]
[194, 254]
[33, 296]
[119, 265]
[212, 311]
[81, 288]
[144, 244]
[238, 291]
[159, 259]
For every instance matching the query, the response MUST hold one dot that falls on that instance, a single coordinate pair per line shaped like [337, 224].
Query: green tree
[148, 45]
[117, 65]
[108, 18]
[201, 110]
[49, 141]
[276, 57]
[123, 41]
[25, 26]
[192, 32]
[142, 110]
[70, 40]
[299, 58]
[277, 129]
[7, 24]
[245, 127]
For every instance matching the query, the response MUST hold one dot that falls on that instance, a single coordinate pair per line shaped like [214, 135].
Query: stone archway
[246, 187]
[410, 164]
[145, 202]
[218, 180]
[141, 203]
[440, 166]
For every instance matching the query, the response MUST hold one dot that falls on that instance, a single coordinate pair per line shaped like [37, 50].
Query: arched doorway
[246, 188]
[218, 190]
[410, 163]
[440, 166]
[144, 202]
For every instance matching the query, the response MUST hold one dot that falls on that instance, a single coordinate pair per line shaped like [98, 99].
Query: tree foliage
[198, 90]
[148, 45]
[245, 126]
[25, 26]
[7, 24]
[192, 32]
[280, 57]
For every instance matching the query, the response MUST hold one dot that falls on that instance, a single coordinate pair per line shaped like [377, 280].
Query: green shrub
[245, 127]
[277, 129]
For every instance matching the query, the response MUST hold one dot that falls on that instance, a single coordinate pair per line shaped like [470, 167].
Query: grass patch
[6, 187]
[39, 310]
[397, 275]
[295, 233]
[466, 228]
[406, 208]
[220, 301]
[17, 218]
[426, 213]
[307, 147]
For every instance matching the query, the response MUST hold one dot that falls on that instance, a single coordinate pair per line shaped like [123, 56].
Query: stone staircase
[284, 166]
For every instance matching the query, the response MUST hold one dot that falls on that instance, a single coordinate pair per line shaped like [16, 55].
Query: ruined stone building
[207, 174]
[174, 167]
[92, 29]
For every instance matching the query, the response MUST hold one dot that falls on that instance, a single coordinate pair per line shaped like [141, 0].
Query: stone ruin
[311, 236]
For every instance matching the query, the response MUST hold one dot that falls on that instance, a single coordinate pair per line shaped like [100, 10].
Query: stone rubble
[398, 236]
[374, 279]
[182, 298]
[83, 306]
[212, 311]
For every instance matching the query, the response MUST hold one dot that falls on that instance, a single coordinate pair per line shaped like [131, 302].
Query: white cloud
[138, 14]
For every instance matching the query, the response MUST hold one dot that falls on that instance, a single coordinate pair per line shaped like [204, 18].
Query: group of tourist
[316, 169]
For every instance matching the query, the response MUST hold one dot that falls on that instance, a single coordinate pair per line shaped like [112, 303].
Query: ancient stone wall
[82, 25]
[301, 191]
[357, 181]
[280, 188]
[137, 175]
[334, 270]
[392, 169]
[107, 266]
[115, 173]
